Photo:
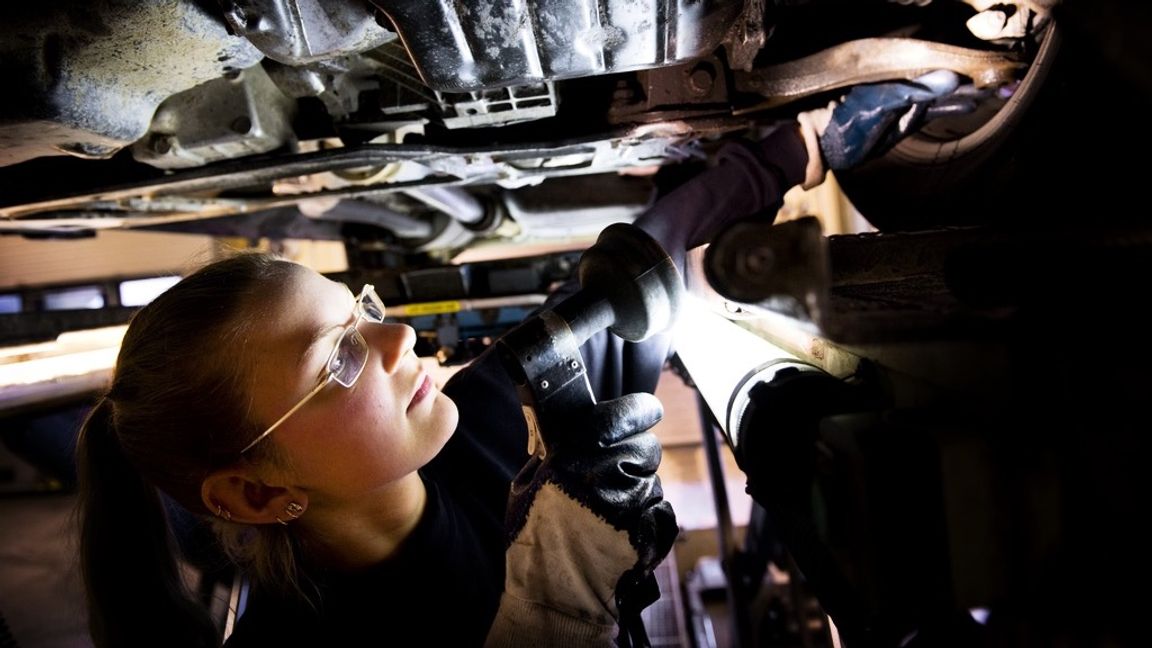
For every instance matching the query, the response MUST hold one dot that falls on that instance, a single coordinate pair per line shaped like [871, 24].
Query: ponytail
[135, 593]
[177, 409]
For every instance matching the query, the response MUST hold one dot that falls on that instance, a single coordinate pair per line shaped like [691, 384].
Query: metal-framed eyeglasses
[348, 358]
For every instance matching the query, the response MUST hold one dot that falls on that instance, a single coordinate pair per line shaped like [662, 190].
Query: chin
[446, 417]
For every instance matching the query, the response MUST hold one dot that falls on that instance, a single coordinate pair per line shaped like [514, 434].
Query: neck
[353, 535]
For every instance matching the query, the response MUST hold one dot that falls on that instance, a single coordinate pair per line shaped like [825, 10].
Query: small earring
[224, 513]
[292, 510]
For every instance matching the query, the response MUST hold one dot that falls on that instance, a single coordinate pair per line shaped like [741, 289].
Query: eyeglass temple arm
[315, 390]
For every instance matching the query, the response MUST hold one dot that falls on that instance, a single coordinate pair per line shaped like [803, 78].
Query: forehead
[306, 286]
[306, 305]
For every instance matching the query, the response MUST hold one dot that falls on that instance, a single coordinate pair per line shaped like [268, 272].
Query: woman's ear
[238, 495]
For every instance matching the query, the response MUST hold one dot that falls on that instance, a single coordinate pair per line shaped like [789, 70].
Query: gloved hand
[586, 521]
[872, 118]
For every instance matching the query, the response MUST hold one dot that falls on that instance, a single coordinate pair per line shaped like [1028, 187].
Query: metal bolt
[701, 80]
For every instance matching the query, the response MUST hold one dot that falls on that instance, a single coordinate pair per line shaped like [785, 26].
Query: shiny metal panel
[467, 45]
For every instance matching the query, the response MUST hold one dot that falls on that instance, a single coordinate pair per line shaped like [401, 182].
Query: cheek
[343, 432]
[366, 438]
[446, 417]
[393, 439]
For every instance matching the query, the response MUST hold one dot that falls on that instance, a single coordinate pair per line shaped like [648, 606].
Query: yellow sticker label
[431, 308]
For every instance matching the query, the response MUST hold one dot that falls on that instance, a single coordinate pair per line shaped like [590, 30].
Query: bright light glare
[719, 354]
[138, 292]
[79, 298]
[55, 368]
[75, 363]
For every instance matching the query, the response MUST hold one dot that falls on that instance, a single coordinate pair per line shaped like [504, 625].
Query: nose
[393, 341]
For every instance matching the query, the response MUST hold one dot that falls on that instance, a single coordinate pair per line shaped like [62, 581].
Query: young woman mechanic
[362, 502]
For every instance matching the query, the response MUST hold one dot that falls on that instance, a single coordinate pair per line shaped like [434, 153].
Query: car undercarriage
[947, 408]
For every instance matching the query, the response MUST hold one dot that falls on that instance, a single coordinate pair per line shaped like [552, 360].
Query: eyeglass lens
[349, 357]
[370, 307]
[351, 352]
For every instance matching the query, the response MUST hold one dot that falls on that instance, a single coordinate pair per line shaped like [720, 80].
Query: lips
[422, 391]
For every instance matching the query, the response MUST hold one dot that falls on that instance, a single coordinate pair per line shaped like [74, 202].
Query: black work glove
[586, 516]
